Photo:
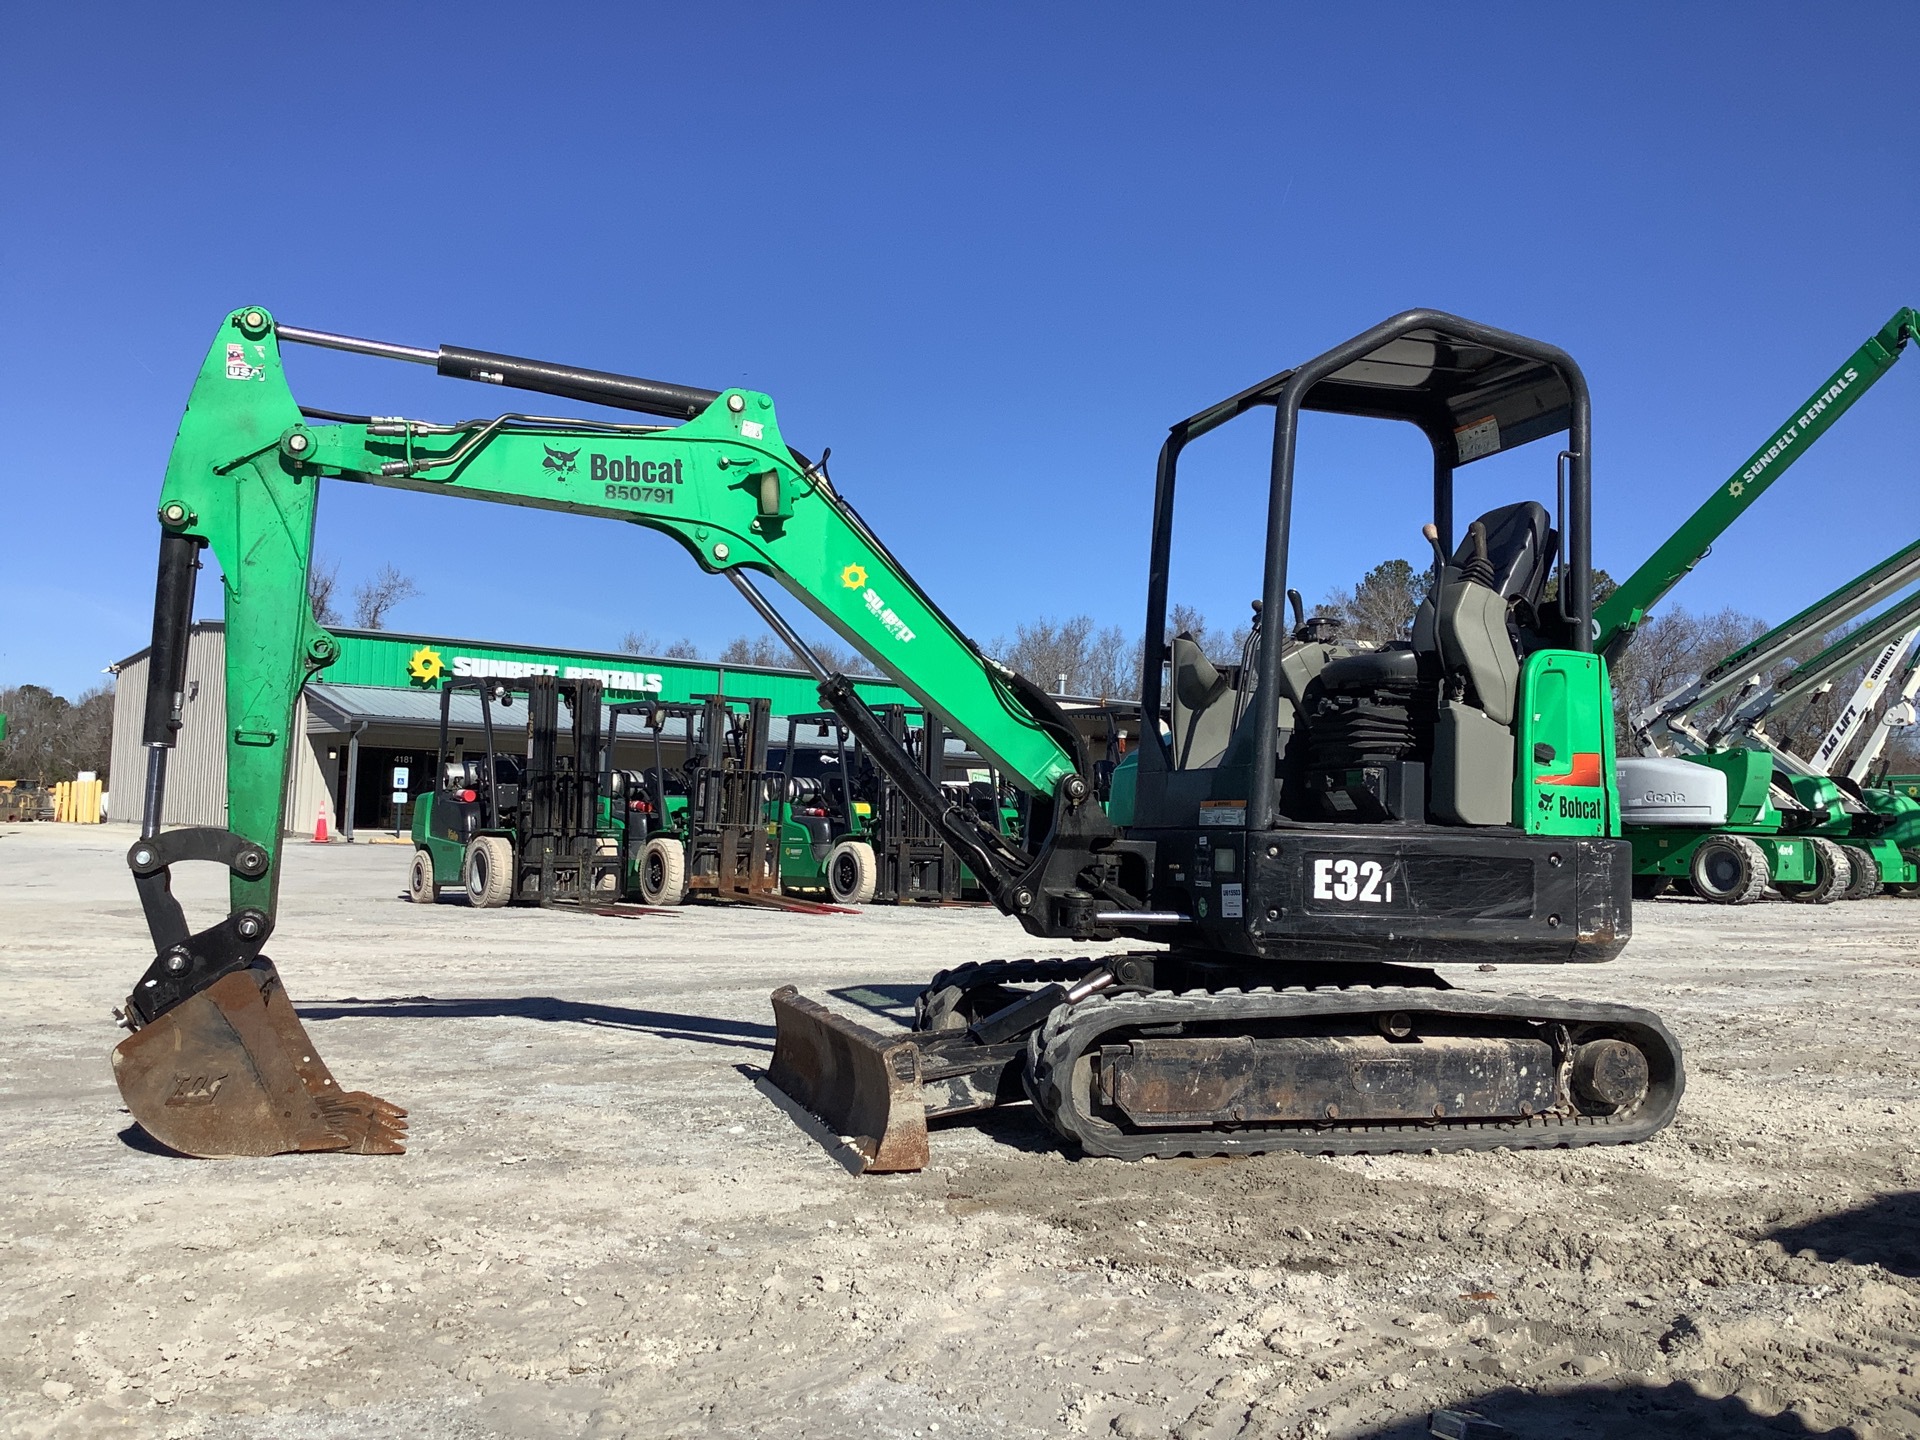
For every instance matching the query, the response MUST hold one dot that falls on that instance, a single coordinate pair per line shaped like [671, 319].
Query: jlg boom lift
[1307, 842]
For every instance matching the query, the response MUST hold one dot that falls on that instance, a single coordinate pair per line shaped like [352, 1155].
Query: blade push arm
[1620, 615]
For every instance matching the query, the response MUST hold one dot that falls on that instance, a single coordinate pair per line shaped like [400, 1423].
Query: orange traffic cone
[320, 828]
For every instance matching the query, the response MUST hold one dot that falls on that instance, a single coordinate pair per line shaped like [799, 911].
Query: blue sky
[987, 253]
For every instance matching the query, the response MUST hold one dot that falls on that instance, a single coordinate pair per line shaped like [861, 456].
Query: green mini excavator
[1316, 829]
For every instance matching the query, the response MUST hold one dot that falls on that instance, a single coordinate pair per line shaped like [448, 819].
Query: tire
[663, 872]
[1651, 887]
[421, 888]
[852, 873]
[1866, 873]
[488, 870]
[1833, 872]
[1728, 870]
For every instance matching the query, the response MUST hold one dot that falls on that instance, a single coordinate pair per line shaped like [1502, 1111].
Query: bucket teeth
[369, 1124]
[231, 1071]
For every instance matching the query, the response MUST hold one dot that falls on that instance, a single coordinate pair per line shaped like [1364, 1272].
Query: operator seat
[1467, 626]
[1202, 709]
[1501, 564]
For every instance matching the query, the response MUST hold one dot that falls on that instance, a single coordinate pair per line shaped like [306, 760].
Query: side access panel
[1564, 771]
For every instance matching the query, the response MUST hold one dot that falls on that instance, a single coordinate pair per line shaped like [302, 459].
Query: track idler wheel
[231, 1071]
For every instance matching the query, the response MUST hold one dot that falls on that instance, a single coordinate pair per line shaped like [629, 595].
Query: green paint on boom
[1621, 613]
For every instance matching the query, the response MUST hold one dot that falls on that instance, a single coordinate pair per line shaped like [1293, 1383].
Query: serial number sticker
[1361, 882]
[651, 494]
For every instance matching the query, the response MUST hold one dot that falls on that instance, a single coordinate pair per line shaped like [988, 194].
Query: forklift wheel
[663, 872]
[489, 870]
[852, 873]
[420, 887]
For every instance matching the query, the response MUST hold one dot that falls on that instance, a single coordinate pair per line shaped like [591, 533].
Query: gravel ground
[604, 1227]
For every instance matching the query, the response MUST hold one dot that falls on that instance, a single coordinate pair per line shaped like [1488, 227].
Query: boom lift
[1734, 812]
[1865, 827]
[1311, 838]
[1860, 705]
[1897, 715]
[1623, 611]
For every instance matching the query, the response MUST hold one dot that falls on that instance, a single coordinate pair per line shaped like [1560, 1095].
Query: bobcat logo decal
[559, 461]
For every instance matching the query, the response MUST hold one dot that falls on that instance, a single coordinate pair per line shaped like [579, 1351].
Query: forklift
[526, 829]
[847, 829]
[715, 832]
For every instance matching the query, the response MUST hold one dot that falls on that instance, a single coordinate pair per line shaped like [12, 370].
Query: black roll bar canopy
[1472, 390]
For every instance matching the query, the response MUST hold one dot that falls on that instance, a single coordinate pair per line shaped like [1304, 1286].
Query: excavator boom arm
[723, 484]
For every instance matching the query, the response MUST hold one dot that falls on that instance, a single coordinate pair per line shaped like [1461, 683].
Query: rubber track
[1054, 1049]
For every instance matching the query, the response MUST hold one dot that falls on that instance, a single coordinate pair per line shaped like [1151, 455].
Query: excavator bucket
[858, 1082]
[230, 1071]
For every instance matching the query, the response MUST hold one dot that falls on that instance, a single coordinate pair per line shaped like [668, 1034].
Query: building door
[390, 780]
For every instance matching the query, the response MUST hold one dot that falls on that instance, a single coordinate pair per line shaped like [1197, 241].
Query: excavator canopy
[1473, 398]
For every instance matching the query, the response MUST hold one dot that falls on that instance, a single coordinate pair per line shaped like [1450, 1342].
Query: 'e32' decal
[1357, 880]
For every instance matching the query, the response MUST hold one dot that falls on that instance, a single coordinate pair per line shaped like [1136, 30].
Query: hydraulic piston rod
[600, 387]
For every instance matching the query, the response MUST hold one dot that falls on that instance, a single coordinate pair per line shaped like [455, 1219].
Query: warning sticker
[1223, 812]
[1230, 902]
[1482, 437]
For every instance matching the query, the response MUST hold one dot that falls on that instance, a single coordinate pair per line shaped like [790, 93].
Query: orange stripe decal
[1584, 770]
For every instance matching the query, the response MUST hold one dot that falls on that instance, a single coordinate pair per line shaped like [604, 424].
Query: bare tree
[1668, 650]
[756, 650]
[373, 600]
[50, 738]
[322, 579]
[1380, 607]
[643, 642]
[1219, 646]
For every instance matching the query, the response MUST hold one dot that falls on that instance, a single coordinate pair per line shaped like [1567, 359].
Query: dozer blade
[230, 1071]
[861, 1084]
